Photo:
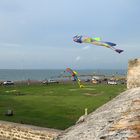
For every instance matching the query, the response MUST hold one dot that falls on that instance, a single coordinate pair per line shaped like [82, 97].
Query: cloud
[43, 31]
[86, 48]
[10, 44]
[78, 58]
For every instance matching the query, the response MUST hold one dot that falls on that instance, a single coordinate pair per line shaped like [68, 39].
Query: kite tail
[80, 85]
[118, 50]
[110, 43]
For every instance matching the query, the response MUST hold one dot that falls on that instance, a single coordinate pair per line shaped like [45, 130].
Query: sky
[37, 34]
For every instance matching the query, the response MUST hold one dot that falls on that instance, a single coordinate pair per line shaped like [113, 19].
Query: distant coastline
[41, 74]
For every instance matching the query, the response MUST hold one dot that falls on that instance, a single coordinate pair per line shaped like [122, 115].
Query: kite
[96, 41]
[74, 75]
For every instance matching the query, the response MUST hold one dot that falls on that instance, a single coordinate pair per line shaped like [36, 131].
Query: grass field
[55, 106]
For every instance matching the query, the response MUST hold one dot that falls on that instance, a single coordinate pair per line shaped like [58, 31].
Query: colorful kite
[96, 41]
[74, 75]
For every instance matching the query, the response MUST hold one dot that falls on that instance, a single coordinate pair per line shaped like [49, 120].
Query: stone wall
[118, 119]
[14, 131]
[133, 75]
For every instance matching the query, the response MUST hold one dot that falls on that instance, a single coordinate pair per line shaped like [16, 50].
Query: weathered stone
[119, 119]
[11, 131]
[133, 74]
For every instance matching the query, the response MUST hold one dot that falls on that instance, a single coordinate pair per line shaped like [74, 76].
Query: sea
[45, 74]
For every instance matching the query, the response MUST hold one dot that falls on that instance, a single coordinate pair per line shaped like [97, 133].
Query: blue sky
[37, 34]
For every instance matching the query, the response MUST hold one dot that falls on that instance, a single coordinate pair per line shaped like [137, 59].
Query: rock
[81, 119]
[9, 112]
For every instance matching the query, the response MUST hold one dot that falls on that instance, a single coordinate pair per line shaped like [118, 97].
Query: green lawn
[55, 106]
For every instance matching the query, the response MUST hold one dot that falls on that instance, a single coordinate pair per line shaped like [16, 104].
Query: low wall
[133, 75]
[14, 131]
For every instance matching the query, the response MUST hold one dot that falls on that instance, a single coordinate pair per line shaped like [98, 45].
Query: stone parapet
[119, 119]
[133, 74]
[15, 131]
